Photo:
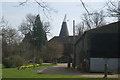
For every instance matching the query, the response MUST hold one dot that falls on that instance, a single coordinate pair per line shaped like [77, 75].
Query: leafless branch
[45, 8]
[84, 7]
[113, 10]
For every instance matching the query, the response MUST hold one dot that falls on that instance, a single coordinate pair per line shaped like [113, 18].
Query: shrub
[40, 61]
[13, 61]
[77, 68]
[7, 63]
[17, 61]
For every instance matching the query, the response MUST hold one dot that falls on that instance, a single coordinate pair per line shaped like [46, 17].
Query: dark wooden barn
[98, 47]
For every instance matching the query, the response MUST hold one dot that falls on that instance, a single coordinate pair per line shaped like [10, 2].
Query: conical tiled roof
[64, 29]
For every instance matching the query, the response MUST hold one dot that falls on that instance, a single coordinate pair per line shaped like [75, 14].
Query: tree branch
[84, 7]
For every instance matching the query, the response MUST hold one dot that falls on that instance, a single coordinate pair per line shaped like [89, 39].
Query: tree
[52, 51]
[94, 20]
[28, 24]
[113, 8]
[10, 39]
[80, 28]
[26, 50]
[13, 61]
[46, 27]
[34, 31]
[90, 21]
[35, 38]
[38, 34]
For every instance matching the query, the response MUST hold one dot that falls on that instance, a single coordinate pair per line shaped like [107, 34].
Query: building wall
[84, 55]
[98, 64]
[67, 42]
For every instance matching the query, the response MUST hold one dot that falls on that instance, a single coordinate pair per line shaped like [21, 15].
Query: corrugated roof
[112, 27]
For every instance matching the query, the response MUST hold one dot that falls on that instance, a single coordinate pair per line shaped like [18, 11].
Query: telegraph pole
[118, 10]
[74, 59]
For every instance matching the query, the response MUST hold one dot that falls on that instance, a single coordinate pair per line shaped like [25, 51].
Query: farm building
[66, 41]
[98, 47]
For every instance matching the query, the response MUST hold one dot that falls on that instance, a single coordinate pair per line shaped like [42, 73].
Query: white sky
[57, 0]
[74, 11]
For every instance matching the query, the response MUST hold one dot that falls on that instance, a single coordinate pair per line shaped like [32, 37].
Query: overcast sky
[73, 9]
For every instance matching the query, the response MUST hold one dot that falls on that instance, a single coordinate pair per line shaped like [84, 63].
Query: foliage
[35, 38]
[26, 50]
[17, 60]
[10, 39]
[78, 67]
[40, 62]
[26, 43]
[52, 51]
[38, 34]
[7, 62]
[13, 61]
[28, 24]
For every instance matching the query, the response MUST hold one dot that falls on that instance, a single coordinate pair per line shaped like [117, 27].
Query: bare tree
[91, 19]
[10, 38]
[113, 8]
[9, 34]
[27, 25]
[80, 28]
[46, 27]
[96, 20]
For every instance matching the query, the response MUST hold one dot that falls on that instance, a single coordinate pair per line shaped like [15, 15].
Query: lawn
[0, 65]
[31, 73]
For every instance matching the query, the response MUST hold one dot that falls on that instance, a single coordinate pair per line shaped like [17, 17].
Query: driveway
[63, 70]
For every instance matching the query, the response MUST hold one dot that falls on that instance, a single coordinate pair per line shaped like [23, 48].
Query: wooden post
[105, 71]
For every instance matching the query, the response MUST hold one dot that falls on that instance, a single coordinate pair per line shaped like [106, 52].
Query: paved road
[63, 70]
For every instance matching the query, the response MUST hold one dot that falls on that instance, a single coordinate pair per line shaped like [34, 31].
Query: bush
[40, 61]
[17, 61]
[7, 63]
[13, 61]
[77, 68]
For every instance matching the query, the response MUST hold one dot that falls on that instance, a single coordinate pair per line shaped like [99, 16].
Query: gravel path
[63, 70]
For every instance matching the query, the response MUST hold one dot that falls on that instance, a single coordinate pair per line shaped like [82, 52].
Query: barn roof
[109, 28]
[103, 41]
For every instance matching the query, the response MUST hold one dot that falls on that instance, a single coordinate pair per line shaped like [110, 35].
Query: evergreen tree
[38, 34]
[35, 39]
